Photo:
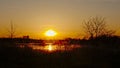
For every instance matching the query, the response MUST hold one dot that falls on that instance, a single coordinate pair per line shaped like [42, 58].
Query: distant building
[25, 37]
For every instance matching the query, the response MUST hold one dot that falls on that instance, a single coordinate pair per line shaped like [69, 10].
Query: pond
[49, 47]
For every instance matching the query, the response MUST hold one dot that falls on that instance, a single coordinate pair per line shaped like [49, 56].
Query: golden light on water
[50, 47]
[50, 33]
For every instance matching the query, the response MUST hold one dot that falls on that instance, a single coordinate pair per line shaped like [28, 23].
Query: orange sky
[34, 17]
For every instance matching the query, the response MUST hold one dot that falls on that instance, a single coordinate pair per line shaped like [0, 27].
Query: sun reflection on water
[51, 48]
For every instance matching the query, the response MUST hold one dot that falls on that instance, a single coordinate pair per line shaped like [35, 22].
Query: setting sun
[50, 33]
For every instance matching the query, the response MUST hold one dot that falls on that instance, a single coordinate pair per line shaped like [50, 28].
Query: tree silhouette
[96, 27]
[11, 31]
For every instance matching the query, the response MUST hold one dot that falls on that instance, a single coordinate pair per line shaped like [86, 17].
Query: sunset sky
[34, 17]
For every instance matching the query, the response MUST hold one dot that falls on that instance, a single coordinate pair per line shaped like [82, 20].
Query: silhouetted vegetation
[96, 26]
[11, 32]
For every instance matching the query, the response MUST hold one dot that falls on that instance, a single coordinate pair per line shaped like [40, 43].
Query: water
[49, 47]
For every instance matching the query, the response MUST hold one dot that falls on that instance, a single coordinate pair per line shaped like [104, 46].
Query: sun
[50, 33]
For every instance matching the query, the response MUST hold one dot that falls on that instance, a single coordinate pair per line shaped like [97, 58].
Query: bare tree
[96, 26]
[11, 31]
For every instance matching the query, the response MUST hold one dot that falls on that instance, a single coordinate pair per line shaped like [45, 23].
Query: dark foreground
[14, 57]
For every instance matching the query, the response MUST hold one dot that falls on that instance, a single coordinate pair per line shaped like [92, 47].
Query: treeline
[12, 42]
